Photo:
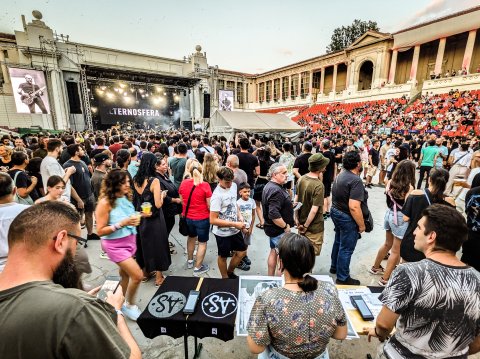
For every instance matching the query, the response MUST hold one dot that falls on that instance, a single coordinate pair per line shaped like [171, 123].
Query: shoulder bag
[182, 224]
[27, 200]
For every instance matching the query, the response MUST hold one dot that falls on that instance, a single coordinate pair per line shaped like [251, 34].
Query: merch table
[214, 314]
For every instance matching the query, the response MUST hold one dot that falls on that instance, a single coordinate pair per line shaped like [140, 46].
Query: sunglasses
[80, 240]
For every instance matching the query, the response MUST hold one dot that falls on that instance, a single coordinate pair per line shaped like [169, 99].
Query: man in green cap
[310, 191]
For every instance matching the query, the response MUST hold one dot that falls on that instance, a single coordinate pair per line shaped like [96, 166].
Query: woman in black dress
[265, 161]
[153, 254]
[172, 204]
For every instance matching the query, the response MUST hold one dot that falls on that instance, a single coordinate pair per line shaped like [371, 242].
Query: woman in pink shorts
[116, 224]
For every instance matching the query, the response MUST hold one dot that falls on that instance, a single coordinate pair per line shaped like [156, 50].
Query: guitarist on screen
[30, 94]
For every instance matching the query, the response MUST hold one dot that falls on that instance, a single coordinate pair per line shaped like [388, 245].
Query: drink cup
[146, 207]
[137, 216]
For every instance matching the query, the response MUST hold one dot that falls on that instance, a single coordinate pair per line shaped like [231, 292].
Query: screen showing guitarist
[30, 95]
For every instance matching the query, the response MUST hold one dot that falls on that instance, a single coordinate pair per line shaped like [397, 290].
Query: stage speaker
[206, 105]
[73, 97]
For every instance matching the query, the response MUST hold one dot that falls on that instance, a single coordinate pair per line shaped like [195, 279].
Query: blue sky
[249, 35]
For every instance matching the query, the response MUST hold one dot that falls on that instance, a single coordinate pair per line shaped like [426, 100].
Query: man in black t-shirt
[248, 162]
[300, 166]
[28, 91]
[348, 194]
[327, 177]
[81, 182]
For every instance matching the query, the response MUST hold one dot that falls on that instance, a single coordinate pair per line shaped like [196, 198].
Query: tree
[344, 36]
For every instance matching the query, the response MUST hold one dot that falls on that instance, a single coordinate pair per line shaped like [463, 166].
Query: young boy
[227, 226]
[246, 206]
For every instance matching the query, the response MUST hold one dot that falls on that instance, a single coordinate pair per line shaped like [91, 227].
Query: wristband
[286, 225]
[119, 312]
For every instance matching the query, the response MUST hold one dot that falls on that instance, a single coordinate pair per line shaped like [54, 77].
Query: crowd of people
[126, 188]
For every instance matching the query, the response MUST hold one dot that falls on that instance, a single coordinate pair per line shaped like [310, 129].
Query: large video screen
[124, 106]
[225, 100]
[29, 90]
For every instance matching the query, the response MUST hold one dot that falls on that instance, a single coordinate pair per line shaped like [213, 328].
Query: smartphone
[298, 206]
[191, 302]
[361, 306]
[111, 285]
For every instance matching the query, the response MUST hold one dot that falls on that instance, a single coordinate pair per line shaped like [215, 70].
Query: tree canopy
[344, 36]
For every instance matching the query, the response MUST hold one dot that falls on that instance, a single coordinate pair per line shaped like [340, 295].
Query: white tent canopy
[226, 123]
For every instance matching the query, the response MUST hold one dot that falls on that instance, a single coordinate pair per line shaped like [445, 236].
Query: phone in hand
[111, 285]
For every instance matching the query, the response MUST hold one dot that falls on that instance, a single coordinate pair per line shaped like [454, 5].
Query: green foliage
[344, 36]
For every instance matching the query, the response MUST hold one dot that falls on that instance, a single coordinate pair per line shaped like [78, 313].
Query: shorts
[88, 205]
[274, 241]
[316, 239]
[227, 244]
[328, 188]
[120, 249]
[398, 230]
[372, 171]
[199, 228]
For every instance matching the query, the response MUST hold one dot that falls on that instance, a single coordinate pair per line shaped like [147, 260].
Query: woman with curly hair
[210, 167]
[153, 252]
[116, 225]
[397, 190]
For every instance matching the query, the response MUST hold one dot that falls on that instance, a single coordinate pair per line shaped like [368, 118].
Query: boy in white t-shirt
[246, 206]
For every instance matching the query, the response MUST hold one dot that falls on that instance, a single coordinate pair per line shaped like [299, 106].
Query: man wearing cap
[103, 163]
[310, 191]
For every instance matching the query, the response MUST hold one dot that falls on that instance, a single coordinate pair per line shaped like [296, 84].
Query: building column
[289, 86]
[280, 94]
[273, 90]
[245, 99]
[322, 80]
[257, 87]
[467, 58]
[310, 83]
[413, 70]
[393, 67]
[334, 83]
[6, 78]
[299, 84]
[440, 52]
[265, 91]
[377, 80]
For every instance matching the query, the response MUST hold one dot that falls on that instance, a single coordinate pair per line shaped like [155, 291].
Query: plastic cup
[146, 207]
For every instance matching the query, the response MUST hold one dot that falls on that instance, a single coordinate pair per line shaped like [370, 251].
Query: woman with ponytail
[315, 311]
[196, 193]
[415, 203]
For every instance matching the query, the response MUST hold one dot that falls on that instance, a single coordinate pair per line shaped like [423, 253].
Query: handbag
[27, 200]
[367, 215]
[182, 224]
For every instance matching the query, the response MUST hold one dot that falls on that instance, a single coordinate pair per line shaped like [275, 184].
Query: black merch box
[216, 310]
[164, 313]
[214, 314]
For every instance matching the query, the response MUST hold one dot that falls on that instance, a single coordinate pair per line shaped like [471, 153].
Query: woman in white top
[460, 166]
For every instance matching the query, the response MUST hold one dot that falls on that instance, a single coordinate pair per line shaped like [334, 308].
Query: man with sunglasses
[43, 314]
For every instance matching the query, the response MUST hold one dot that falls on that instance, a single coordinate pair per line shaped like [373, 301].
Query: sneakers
[333, 271]
[190, 264]
[232, 276]
[204, 268]
[247, 260]
[349, 281]
[103, 255]
[368, 185]
[382, 282]
[93, 237]
[243, 266]
[377, 271]
[132, 312]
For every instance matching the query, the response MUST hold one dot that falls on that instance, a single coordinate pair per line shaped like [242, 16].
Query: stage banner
[150, 112]
[225, 100]
[29, 90]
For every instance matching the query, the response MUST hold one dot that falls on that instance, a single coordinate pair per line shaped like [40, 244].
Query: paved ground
[166, 347]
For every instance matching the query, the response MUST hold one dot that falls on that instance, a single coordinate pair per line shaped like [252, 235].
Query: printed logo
[214, 331]
[219, 305]
[166, 304]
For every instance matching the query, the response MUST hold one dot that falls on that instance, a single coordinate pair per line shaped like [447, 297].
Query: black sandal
[261, 226]
[171, 244]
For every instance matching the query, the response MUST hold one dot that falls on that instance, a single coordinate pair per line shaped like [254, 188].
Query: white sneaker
[132, 312]
[189, 264]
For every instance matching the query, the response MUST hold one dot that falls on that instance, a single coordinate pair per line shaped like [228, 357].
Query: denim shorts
[199, 228]
[398, 230]
[275, 240]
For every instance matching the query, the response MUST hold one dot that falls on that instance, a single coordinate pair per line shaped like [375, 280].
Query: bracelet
[119, 312]
[286, 225]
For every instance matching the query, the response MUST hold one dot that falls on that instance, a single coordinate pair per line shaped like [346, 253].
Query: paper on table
[323, 278]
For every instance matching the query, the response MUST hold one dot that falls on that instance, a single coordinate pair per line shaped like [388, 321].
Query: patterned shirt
[439, 307]
[296, 324]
